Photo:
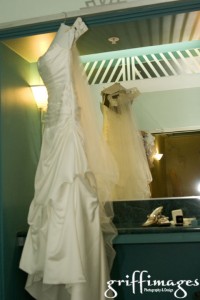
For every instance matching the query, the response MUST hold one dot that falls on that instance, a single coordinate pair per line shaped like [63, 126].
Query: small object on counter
[163, 221]
[176, 212]
[194, 222]
[156, 218]
[179, 220]
[153, 217]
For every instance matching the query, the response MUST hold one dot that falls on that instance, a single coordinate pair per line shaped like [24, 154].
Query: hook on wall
[65, 17]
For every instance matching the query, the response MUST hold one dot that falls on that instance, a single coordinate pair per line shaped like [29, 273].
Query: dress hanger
[113, 89]
[78, 25]
[65, 17]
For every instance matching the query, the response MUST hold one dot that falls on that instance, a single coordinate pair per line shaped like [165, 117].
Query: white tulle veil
[100, 159]
[125, 141]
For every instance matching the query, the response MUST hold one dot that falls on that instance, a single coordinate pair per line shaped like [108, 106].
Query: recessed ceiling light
[113, 40]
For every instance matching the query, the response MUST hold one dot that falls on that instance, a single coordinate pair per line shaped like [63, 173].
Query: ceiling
[133, 34]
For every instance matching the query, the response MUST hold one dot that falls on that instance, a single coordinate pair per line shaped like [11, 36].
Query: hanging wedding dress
[68, 251]
[126, 143]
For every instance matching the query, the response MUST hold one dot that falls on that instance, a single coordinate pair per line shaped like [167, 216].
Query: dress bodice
[55, 69]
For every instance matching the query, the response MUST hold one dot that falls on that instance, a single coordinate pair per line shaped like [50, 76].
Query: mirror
[163, 56]
[168, 106]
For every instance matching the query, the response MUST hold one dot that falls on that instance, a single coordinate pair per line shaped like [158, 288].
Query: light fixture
[158, 156]
[40, 95]
[198, 187]
[113, 40]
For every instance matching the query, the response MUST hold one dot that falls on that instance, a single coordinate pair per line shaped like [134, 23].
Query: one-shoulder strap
[80, 27]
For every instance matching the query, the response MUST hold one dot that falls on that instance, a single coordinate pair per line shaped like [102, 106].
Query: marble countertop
[158, 235]
[161, 229]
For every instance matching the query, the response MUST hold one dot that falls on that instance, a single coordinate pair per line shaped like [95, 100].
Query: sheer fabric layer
[126, 144]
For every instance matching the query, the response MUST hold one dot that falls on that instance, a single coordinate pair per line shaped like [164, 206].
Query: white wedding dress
[68, 251]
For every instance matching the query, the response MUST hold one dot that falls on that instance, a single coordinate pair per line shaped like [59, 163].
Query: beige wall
[183, 161]
[178, 172]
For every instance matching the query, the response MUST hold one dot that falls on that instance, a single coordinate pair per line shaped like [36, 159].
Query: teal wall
[168, 110]
[1, 213]
[20, 144]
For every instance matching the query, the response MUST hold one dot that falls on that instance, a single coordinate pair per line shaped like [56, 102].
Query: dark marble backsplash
[131, 214]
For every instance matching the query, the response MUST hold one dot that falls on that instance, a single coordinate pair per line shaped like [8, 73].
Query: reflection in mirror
[160, 57]
[167, 77]
[178, 172]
